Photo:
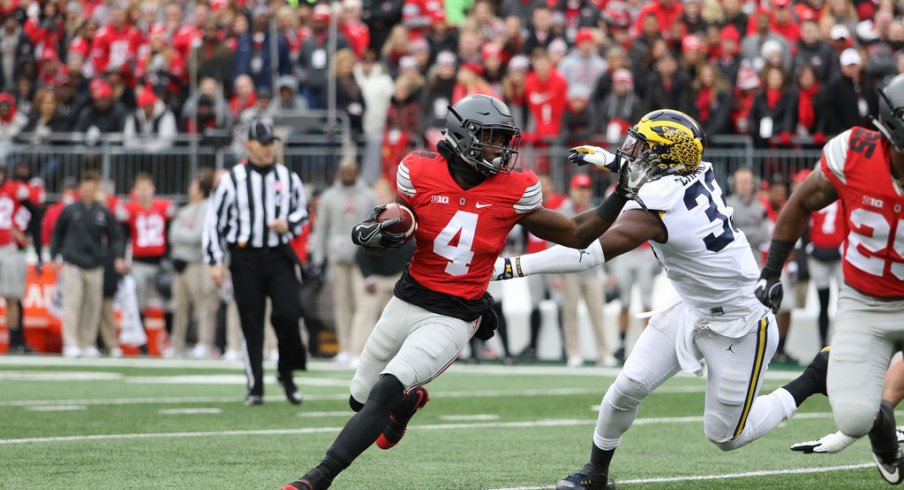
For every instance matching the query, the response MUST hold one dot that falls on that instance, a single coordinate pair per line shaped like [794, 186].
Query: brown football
[406, 224]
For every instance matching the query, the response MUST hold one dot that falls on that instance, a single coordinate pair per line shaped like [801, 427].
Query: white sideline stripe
[310, 430]
[728, 476]
[59, 376]
[469, 418]
[339, 396]
[55, 408]
[337, 413]
[488, 425]
[322, 366]
[189, 411]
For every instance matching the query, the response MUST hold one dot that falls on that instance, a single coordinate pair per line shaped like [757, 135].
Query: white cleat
[831, 443]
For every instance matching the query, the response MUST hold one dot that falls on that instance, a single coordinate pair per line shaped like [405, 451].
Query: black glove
[369, 233]
[769, 289]
[634, 174]
[489, 322]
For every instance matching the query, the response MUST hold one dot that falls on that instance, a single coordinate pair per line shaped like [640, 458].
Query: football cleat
[831, 443]
[583, 481]
[293, 395]
[892, 471]
[397, 426]
[252, 400]
[312, 480]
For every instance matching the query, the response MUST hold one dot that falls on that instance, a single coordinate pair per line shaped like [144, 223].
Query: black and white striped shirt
[246, 199]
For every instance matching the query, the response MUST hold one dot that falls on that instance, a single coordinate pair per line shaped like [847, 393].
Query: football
[406, 224]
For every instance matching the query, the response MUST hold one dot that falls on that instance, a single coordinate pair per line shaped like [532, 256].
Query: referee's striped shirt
[246, 199]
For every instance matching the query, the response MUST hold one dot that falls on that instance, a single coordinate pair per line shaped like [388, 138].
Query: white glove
[593, 155]
[831, 443]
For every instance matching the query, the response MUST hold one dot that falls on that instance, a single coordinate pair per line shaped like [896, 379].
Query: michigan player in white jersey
[716, 316]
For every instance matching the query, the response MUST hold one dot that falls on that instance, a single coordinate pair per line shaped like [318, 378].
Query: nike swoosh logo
[479, 205]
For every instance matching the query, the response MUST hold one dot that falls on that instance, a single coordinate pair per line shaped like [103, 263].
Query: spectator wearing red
[840, 38]
[397, 45]
[494, 69]
[314, 60]
[48, 29]
[81, 43]
[783, 22]
[692, 55]
[752, 47]
[545, 91]
[728, 60]
[772, 114]
[807, 122]
[152, 126]
[583, 66]
[244, 96]
[746, 89]
[159, 63]
[469, 81]
[116, 44]
[186, 36]
[402, 131]
[287, 24]
[51, 71]
[441, 36]
[714, 100]
[103, 116]
[353, 28]
[618, 21]
[668, 12]
[733, 15]
[513, 89]
[417, 15]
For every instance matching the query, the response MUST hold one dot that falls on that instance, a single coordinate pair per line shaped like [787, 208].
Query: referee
[258, 206]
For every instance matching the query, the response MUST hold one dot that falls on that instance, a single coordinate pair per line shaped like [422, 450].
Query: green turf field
[92, 424]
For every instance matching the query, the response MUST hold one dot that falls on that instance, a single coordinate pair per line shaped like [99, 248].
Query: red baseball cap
[147, 97]
[100, 89]
[584, 34]
[582, 181]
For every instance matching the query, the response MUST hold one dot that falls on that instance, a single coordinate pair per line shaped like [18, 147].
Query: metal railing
[315, 158]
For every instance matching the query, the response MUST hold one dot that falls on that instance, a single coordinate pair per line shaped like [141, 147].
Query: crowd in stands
[575, 71]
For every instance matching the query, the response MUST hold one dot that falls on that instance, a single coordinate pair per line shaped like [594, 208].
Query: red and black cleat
[397, 425]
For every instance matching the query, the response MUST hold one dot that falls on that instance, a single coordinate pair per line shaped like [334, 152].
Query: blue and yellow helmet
[674, 136]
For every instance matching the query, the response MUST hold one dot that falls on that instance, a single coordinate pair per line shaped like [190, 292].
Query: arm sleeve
[59, 232]
[298, 203]
[115, 236]
[555, 260]
[215, 221]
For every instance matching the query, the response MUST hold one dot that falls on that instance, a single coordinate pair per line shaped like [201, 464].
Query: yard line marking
[311, 430]
[308, 430]
[59, 376]
[226, 379]
[728, 476]
[323, 366]
[338, 396]
[337, 413]
[469, 418]
[190, 411]
[55, 408]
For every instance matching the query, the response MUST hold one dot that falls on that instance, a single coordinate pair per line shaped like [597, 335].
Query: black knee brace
[355, 405]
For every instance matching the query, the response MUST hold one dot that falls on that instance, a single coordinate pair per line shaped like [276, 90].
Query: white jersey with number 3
[707, 259]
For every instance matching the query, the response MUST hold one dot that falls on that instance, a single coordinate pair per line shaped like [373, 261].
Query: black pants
[257, 274]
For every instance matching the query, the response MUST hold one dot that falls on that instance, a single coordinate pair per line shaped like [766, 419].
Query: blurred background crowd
[142, 88]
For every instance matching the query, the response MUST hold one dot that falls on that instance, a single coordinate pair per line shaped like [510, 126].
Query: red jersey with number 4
[460, 233]
[856, 162]
[827, 226]
[148, 226]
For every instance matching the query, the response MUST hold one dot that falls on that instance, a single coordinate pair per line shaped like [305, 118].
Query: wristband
[609, 210]
[779, 250]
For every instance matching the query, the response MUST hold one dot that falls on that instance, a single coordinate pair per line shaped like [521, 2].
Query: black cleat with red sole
[397, 426]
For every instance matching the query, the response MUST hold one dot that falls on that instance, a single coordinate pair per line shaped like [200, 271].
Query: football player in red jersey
[14, 198]
[864, 170]
[827, 232]
[466, 199]
[147, 218]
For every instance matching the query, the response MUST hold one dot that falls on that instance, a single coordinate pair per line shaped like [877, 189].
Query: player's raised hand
[593, 155]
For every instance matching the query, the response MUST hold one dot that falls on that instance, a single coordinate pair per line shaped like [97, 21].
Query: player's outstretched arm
[815, 193]
[631, 229]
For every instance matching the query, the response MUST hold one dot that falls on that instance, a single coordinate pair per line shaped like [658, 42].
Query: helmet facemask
[489, 148]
